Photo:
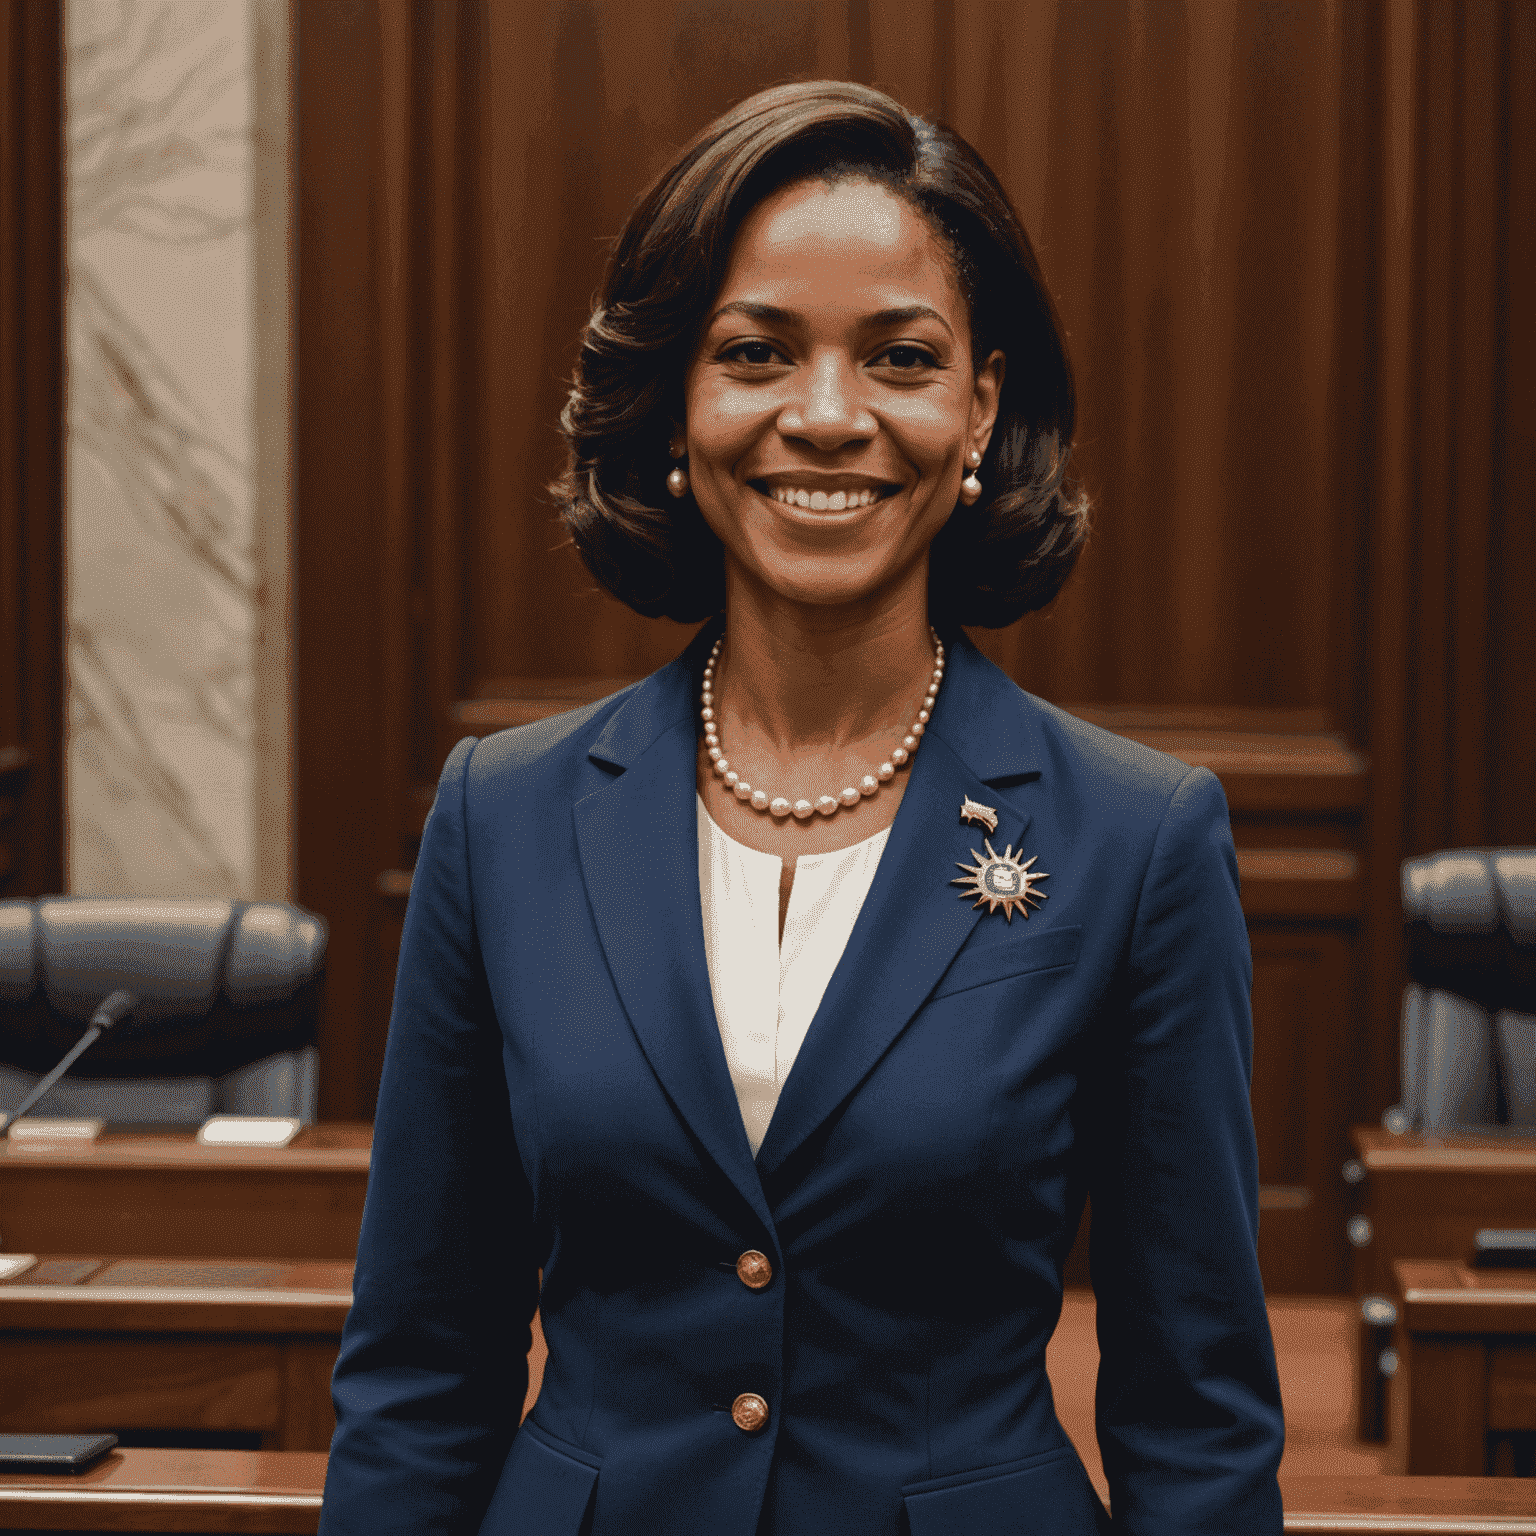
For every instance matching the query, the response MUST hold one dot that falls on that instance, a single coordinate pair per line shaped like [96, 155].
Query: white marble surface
[165, 600]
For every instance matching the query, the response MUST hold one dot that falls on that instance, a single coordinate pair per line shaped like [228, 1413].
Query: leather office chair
[230, 994]
[1469, 1009]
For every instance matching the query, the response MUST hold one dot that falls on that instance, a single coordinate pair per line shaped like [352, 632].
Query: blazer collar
[638, 842]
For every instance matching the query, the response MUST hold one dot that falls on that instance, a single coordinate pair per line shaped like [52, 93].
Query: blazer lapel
[638, 843]
[914, 920]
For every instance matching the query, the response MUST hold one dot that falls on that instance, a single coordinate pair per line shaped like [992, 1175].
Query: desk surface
[341, 1146]
[281, 1491]
[136, 1295]
[1427, 1506]
[1447, 1296]
[251, 1491]
[174, 1344]
[1382, 1152]
[148, 1192]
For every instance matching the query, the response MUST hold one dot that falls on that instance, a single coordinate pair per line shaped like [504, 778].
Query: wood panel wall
[31, 449]
[1287, 242]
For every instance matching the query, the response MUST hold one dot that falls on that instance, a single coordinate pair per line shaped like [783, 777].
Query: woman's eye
[751, 352]
[907, 358]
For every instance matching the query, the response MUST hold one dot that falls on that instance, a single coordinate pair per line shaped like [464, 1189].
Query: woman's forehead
[821, 241]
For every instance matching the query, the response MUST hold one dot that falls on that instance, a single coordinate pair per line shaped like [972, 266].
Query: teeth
[823, 501]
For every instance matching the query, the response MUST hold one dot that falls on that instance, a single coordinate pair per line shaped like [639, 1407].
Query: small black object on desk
[53, 1453]
[1504, 1248]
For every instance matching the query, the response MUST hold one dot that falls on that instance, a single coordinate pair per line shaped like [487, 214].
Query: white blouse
[766, 995]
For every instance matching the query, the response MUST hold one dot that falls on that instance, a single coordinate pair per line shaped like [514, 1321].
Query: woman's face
[831, 400]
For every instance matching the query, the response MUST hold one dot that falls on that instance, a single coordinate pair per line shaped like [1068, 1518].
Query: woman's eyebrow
[771, 314]
[903, 314]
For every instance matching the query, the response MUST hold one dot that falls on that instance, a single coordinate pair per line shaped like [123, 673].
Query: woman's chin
[828, 582]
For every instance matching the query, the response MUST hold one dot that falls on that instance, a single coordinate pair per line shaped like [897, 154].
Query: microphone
[112, 1010]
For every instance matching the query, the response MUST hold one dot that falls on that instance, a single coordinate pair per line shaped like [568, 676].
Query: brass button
[753, 1269]
[750, 1412]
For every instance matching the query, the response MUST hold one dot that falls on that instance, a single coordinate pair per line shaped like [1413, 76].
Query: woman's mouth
[819, 499]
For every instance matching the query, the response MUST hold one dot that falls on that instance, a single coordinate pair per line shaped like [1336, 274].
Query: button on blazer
[555, 1101]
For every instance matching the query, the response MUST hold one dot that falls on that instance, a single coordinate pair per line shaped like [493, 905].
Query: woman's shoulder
[547, 746]
[1124, 780]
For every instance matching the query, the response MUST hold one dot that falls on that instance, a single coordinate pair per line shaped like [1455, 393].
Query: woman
[695, 1015]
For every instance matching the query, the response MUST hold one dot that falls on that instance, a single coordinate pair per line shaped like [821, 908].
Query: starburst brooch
[1001, 881]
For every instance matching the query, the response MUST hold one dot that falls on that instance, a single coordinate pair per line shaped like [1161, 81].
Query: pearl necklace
[759, 798]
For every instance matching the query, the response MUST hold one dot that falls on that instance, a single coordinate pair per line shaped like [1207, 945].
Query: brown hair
[1007, 555]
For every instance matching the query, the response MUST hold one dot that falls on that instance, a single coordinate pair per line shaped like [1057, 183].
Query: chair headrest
[222, 983]
[1470, 917]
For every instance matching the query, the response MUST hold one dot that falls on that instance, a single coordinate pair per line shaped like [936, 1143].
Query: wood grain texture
[280, 1492]
[1426, 1198]
[307, 1299]
[308, 1417]
[1410, 1506]
[137, 1194]
[1450, 1297]
[1467, 1340]
[1445, 1423]
[171, 1344]
[32, 447]
[1512, 1386]
[260, 1494]
[79, 1382]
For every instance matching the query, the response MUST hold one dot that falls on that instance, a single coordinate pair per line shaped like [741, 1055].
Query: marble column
[177, 517]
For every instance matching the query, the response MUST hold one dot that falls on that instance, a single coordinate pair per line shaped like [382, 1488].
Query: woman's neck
[803, 677]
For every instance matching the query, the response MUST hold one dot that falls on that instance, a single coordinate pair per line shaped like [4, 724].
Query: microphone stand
[115, 1007]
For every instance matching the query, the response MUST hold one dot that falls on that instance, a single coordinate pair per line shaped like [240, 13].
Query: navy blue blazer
[555, 1098]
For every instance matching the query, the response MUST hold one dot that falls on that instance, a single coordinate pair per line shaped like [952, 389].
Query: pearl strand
[826, 805]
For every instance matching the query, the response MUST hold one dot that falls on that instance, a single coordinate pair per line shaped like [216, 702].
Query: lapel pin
[1001, 881]
[978, 815]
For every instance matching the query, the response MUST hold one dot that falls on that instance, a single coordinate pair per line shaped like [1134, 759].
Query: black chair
[229, 1002]
[1469, 1009]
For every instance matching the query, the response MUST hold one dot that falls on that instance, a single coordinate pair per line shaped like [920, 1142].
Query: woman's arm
[1188, 1404]
[430, 1382]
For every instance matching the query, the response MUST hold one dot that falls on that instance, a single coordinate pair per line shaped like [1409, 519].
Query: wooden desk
[140, 1193]
[1426, 1197]
[280, 1492]
[261, 1493]
[1394, 1506]
[1467, 1372]
[209, 1344]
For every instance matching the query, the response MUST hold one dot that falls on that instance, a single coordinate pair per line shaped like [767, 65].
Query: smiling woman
[866, 183]
[785, 1137]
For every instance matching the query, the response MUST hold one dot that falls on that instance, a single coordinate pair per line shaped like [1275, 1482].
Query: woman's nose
[828, 409]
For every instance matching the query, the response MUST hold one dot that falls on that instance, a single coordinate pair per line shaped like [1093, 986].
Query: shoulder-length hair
[1004, 556]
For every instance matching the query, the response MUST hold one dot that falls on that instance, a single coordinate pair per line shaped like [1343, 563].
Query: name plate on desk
[34, 1131]
[247, 1131]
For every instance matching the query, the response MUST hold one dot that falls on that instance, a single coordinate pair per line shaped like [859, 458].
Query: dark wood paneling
[343, 620]
[31, 449]
[1289, 247]
[1303, 1059]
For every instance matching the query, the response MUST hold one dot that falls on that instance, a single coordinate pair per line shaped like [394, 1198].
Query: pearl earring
[970, 487]
[677, 481]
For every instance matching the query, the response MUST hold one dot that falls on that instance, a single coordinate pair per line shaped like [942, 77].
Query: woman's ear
[678, 445]
[985, 400]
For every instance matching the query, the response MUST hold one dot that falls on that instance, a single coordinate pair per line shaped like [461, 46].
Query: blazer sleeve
[1188, 1402]
[430, 1380]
